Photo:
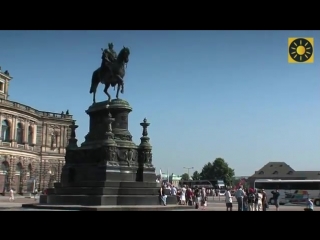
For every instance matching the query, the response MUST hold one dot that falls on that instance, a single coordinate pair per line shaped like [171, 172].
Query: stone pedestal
[108, 168]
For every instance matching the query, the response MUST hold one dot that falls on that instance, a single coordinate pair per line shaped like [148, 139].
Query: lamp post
[188, 168]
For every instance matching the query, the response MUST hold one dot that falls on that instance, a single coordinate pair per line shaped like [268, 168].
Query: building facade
[281, 170]
[32, 143]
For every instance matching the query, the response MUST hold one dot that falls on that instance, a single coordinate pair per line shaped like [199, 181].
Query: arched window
[19, 133]
[18, 169]
[29, 171]
[5, 172]
[30, 135]
[54, 140]
[5, 131]
[4, 167]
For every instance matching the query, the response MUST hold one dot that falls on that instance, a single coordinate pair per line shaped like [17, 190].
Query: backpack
[251, 197]
[197, 193]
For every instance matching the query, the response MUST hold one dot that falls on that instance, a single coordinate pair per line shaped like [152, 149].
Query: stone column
[26, 132]
[65, 136]
[44, 135]
[23, 129]
[13, 129]
[59, 138]
[6, 87]
[1, 119]
[11, 171]
[34, 134]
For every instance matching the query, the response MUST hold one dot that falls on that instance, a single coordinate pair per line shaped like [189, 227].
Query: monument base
[107, 193]
[108, 168]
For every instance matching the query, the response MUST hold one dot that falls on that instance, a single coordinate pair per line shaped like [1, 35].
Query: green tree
[185, 177]
[196, 176]
[218, 170]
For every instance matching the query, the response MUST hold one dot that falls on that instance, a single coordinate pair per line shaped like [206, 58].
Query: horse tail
[94, 81]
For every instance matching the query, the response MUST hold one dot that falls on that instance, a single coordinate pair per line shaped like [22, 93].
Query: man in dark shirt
[275, 197]
[197, 197]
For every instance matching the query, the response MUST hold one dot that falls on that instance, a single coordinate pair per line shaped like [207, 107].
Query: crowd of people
[248, 199]
[254, 199]
[196, 197]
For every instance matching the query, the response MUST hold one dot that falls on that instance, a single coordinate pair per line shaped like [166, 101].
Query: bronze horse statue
[110, 74]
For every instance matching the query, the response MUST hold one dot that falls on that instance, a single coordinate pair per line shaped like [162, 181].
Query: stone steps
[106, 191]
[95, 200]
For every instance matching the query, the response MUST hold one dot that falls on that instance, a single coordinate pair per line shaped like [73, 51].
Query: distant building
[32, 143]
[173, 179]
[281, 170]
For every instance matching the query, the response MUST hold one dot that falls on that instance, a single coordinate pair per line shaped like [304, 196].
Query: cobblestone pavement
[213, 205]
[31, 210]
[18, 200]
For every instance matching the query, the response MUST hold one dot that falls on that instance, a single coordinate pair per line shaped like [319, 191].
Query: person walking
[197, 195]
[228, 200]
[203, 198]
[276, 196]
[240, 194]
[264, 200]
[11, 195]
[258, 203]
[251, 200]
[162, 195]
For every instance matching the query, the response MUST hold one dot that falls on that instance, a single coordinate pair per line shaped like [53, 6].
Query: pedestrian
[251, 200]
[240, 194]
[264, 200]
[228, 200]
[35, 194]
[258, 203]
[309, 205]
[183, 195]
[11, 195]
[162, 195]
[197, 195]
[275, 196]
[203, 198]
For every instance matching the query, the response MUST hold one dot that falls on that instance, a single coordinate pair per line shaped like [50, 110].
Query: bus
[219, 186]
[197, 184]
[291, 191]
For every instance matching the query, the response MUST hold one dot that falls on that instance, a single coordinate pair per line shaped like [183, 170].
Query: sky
[207, 94]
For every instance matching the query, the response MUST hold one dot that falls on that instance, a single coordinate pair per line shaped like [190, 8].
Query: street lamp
[188, 168]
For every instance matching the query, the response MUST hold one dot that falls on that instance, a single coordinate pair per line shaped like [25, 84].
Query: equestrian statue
[111, 72]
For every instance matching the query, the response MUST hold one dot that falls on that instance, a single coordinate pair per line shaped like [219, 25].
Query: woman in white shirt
[183, 195]
[258, 205]
[203, 198]
[228, 200]
[11, 195]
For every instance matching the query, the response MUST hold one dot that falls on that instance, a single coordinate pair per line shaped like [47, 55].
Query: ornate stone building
[32, 143]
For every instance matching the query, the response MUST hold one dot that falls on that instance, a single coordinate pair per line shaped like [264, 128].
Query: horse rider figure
[108, 57]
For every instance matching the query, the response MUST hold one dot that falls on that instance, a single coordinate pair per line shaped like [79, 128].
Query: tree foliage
[185, 177]
[217, 170]
[196, 176]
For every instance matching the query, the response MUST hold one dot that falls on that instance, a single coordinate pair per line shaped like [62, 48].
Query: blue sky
[207, 94]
